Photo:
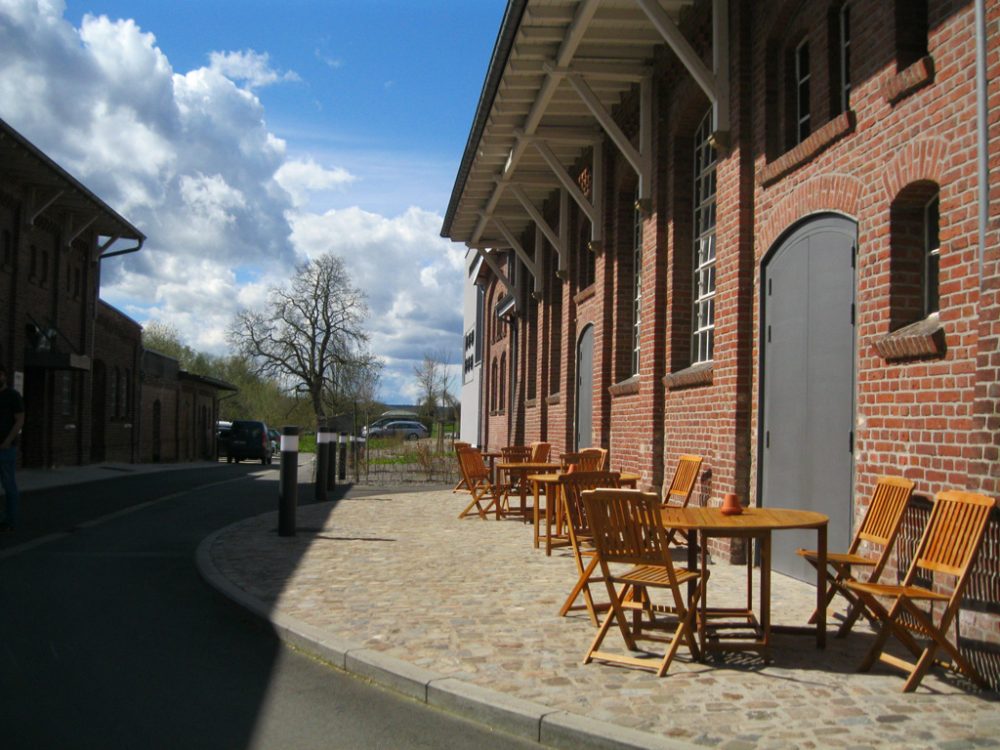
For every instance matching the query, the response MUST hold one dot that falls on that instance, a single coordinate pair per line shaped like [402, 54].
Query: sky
[245, 137]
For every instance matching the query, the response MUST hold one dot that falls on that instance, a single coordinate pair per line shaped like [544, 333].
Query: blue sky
[243, 137]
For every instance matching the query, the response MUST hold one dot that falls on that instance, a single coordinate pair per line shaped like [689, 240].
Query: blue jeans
[8, 462]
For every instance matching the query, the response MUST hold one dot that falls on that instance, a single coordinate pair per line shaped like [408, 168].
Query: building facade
[760, 232]
[77, 360]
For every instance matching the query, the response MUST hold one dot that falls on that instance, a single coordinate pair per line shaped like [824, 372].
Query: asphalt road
[110, 639]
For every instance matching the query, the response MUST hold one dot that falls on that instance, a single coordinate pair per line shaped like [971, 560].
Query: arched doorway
[585, 389]
[807, 373]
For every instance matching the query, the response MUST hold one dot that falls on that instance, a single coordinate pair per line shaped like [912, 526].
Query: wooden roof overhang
[558, 69]
[52, 192]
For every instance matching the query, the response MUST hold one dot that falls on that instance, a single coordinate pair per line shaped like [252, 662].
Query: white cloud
[303, 177]
[252, 67]
[188, 158]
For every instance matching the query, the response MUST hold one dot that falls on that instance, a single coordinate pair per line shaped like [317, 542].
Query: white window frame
[636, 282]
[845, 57]
[704, 253]
[932, 255]
[803, 113]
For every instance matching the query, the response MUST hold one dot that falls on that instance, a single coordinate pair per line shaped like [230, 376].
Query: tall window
[932, 255]
[502, 392]
[702, 340]
[494, 383]
[803, 124]
[845, 57]
[636, 281]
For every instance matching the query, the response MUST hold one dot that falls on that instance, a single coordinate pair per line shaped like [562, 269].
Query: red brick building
[77, 360]
[762, 232]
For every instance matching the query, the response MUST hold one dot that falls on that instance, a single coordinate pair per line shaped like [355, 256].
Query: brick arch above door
[829, 193]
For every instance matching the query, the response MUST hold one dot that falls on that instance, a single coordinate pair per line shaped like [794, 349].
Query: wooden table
[553, 504]
[523, 469]
[700, 524]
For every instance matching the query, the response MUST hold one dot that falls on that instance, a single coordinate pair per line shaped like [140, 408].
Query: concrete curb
[499, 711]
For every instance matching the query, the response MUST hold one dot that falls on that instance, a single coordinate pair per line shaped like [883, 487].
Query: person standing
[11, 421]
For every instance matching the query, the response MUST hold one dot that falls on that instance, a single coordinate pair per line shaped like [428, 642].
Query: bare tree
[436, 381]
[310, 336]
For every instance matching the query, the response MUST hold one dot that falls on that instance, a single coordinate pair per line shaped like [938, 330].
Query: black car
[248, 439]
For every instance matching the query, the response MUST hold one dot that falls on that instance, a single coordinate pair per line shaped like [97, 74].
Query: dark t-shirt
[11, 403]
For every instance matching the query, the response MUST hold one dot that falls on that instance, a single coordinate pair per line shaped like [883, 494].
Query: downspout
[982, 128]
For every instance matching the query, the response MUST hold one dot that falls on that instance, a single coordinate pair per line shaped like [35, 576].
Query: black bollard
[342, 461]
[331, 464]
[322, 463]
[288, 496]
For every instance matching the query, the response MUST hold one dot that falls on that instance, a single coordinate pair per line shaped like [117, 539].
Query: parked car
[407, 429]
[248, 439]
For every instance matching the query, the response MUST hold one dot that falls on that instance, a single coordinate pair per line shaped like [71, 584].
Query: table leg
[765, 592]
[821, 587]
[534, 489]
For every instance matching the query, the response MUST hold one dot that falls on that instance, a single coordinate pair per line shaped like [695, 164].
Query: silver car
[406, 429]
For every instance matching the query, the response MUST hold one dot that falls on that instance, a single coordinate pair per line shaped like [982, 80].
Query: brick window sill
[584, 294]
[689, 377]
[840, 126]
[913, 78]
[627, 387]
[498, 412]
[924, 339]
[530, 403]
[554, 399]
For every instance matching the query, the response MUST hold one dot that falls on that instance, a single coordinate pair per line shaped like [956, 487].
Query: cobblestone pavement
[473, 600]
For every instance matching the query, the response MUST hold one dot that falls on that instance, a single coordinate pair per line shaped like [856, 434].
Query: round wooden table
[700, 524]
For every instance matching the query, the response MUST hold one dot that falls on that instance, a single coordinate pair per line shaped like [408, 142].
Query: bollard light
[288, 493]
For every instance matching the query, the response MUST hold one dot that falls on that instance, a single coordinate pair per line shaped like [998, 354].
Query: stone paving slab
[472, 600]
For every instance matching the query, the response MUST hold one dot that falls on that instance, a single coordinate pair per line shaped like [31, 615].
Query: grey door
[808, 384]
[585, 388]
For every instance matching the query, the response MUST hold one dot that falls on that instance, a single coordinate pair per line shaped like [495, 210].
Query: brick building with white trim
[767, 232]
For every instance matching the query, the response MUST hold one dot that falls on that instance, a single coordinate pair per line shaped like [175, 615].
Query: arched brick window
[502, 390]
[915, 249]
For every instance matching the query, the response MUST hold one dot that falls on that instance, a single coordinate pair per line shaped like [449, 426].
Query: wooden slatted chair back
[462, 482]
[540, 452]
[953, 535]
[516, 453]
[884, 518]
[627, 527]
[685, 478]
[593, 459]
[473, 467]
[571, 485]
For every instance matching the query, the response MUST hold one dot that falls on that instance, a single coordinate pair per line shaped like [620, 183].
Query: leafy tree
[310, 338]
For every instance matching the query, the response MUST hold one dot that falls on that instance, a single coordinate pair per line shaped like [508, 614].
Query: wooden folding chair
[880, 526]
[628, 529]
[949, 545]
[508, 482]
[462, 483]
[477, 479]
[682, 485]
[570, 487]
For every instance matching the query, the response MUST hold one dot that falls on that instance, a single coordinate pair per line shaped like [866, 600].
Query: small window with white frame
[703, 319]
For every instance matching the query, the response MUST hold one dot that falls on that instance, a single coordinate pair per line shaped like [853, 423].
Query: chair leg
[582, 585]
